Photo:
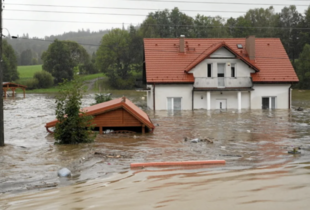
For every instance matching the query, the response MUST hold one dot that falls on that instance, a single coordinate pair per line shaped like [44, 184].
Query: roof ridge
[202, 54]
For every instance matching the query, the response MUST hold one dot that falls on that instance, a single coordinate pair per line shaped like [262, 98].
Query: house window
[174, 103]
[269, 102]
[233, 70]
[209, 70]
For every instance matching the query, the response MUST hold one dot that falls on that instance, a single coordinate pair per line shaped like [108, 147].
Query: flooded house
[117, 115]
[220, 73]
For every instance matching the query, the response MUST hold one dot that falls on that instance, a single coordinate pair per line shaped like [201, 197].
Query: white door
[221, 104]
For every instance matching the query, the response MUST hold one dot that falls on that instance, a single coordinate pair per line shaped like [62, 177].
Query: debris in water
[299, 109]
[112, 155]
[64, 172]
[45, 185]
[195, 140]
[294, 151]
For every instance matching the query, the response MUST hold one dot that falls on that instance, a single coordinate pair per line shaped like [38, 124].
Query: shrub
[45, 79]
[31, 84]
[100, 98]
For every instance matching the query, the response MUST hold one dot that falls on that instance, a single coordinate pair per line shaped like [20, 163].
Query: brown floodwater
[259, 173]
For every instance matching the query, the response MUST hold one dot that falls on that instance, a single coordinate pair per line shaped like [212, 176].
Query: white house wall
[280, 91]
[222, 53]
[242, 70]
[231, 97]
[184, 91]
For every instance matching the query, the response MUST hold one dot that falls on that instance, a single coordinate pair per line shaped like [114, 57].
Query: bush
[31, 84]
[100, 98]
[44, 78]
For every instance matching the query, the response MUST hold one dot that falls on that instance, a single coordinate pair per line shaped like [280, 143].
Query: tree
[58, 61]
[115, 59]
[73, 125]
[289, 18]
[26, 57]
[9, 64]
[303, 68]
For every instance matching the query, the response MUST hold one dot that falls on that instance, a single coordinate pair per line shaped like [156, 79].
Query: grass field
[27, 72]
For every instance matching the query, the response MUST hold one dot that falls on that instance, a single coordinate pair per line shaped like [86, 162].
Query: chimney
[182, 44]
[250, 47]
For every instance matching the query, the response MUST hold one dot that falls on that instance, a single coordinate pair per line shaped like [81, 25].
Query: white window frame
[235, 66]
[270, 101]
[172, 103]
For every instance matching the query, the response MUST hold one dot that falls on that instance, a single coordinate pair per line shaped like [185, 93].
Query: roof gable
[222, 53]
[213, 48]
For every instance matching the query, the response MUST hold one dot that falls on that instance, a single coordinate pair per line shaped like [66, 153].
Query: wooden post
[4, 92]
[13, 92]
[143, 129]
[100, 130]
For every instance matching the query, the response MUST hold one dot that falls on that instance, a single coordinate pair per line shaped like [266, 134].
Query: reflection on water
[259, 174]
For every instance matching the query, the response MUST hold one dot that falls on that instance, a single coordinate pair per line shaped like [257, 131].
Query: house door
[221, 104]
[221, 74]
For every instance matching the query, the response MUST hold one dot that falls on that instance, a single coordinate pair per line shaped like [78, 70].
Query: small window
[174, 103]
[239, 46]
[209, 70]
[233, 70]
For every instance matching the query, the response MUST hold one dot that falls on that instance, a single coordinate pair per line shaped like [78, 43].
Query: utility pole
[1, 82]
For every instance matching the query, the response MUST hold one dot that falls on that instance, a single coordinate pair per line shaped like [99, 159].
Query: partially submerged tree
[73, 125]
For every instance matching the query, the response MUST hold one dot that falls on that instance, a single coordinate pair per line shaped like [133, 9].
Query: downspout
[193, 98]
[154, 97]
[289, 97]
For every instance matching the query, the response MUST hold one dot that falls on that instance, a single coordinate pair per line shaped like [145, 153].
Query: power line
[210, 2]
[170, 25]
[67, 12]
[114, 8]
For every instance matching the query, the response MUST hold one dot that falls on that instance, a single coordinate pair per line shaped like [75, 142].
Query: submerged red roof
[165, 64]
[112, 105]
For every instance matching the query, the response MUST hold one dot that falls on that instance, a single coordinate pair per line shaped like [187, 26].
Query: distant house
[235, 73]
[118, 115]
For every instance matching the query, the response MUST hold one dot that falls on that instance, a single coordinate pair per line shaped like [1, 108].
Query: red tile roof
[112, 105]
[165, 64]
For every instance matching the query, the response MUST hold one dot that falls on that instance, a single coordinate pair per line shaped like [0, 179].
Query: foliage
[30, 83]
[58, 61]
[73, 126]
[303, 68]
[102, 97]
[26, 58]
[9, 63]
[45, 79]
[114, 58]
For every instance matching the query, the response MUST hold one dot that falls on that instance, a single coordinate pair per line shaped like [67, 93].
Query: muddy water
[258, 174]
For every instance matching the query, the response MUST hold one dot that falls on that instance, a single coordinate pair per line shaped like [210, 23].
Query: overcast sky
[27, 16]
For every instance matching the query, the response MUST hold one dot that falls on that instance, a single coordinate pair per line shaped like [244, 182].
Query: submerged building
[234, 73]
